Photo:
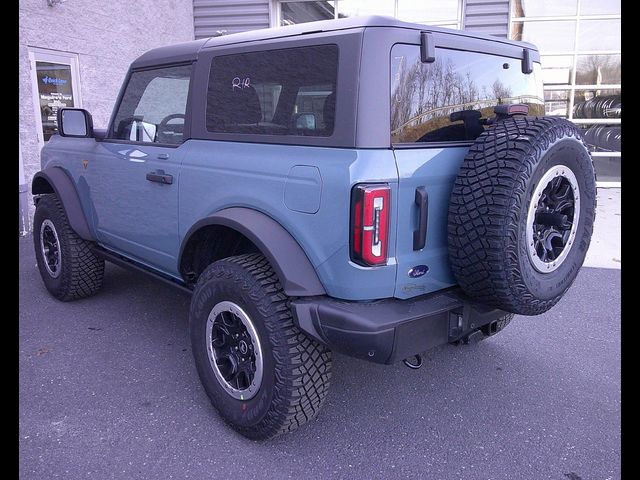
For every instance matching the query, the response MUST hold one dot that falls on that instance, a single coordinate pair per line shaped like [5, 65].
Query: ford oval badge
[418, 271]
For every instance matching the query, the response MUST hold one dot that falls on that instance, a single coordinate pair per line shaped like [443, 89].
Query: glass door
[54, 77]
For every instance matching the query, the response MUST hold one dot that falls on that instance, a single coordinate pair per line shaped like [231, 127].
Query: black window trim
[187, 114]
[349, 51]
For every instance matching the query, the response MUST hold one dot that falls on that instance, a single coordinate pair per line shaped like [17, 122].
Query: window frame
[187, 114]
[52, 56]
[275, 13]
[572, 87]
[349, 52]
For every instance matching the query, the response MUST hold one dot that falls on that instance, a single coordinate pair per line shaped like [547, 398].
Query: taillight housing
[370, 207]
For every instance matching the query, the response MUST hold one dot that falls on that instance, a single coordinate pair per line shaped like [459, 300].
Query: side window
[451, 98]
[276, 92]
[153, 106]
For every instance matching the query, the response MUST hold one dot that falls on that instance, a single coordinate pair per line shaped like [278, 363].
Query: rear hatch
[430, 144]
[426, 178]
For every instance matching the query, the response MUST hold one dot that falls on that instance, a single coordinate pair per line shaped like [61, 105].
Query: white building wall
[106, 36]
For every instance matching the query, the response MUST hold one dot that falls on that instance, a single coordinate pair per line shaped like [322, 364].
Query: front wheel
[68, 267]
[263, 375]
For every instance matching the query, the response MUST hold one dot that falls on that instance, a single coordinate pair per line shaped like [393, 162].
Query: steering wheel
[162, 126]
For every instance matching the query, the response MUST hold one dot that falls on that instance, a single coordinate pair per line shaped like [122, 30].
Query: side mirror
[75, 122]
[306, 121]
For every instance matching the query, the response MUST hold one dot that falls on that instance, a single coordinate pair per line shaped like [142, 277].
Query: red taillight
[370, 224]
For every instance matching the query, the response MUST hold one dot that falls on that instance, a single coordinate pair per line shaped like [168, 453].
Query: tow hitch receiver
[473, 337]
[490, 328]
[471, 326]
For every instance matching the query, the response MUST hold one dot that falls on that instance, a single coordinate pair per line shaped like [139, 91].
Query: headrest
[236, 106]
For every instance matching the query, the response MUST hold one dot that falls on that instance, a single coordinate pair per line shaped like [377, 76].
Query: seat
[237, 107]
[329, 113]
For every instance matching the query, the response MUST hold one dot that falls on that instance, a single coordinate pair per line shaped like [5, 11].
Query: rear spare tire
[521, 214]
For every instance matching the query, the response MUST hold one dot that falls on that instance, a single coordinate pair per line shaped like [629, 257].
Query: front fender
[295, 271]
[55, 180]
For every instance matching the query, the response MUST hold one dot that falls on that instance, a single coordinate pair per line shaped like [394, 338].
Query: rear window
[424, 95]
[276, 92]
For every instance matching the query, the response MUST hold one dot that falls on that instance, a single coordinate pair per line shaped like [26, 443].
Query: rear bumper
[385, 331]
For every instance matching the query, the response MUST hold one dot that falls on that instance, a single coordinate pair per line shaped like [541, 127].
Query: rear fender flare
[293, 267]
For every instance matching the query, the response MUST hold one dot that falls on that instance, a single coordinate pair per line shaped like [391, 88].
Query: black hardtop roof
[187, 51]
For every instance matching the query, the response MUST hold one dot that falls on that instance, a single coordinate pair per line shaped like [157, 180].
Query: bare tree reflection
[500, 91]
[598, 69]
[425, 94]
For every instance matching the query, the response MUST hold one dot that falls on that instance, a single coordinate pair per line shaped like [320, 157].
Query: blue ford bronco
[363, 185]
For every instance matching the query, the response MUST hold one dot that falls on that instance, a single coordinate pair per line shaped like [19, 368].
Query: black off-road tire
[296, 369]
[487, 225]
[81, 272]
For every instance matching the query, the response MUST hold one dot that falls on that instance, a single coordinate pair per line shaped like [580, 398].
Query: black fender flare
[56, 180]
[293, 267]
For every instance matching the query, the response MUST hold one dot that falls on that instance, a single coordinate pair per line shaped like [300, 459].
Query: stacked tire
[609, 106]
[604, 137]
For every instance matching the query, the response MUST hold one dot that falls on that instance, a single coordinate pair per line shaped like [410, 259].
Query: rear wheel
[68, 267]
[263, 375]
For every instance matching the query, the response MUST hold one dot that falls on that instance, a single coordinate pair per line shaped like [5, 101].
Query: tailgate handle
[420, 235]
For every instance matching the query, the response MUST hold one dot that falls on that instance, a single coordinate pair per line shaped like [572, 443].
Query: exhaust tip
[416, 365]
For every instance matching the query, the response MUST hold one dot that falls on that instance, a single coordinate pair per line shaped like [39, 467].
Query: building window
[579, 42]
[444, 13]
[303, 12]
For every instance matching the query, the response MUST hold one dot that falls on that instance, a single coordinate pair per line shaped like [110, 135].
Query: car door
[133, 178]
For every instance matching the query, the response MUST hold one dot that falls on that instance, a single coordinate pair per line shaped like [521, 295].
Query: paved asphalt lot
[108, 389]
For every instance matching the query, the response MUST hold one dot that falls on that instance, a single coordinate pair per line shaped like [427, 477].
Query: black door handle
[420, 235]
[160, 177]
